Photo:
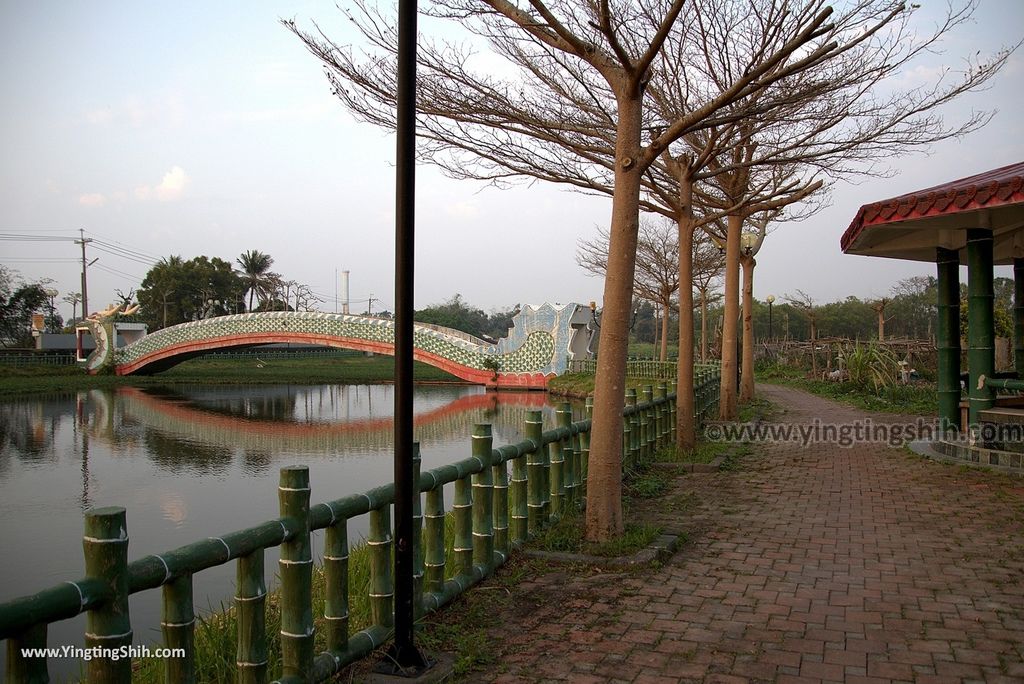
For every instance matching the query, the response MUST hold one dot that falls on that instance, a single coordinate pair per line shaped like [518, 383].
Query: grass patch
[756, 409]
[704, 452]
[646, 484]
[353, 369]
[568, 536]
[918, 398]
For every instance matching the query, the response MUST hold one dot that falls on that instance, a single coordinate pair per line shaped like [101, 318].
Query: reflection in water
[193, 462]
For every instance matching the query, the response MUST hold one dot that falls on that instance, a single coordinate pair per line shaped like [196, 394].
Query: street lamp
[748, 242]
[771, 332]
[211, 307]
[597, 323]
[51, 294]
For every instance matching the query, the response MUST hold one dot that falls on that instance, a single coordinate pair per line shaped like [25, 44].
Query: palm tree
[255, 269]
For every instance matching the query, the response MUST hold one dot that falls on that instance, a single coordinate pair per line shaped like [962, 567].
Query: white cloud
[92, 200]
[173, 184]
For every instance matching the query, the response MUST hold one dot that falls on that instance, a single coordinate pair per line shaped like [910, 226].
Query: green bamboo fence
[494, 513]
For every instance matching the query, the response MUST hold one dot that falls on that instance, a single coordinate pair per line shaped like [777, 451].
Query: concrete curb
[660, 550]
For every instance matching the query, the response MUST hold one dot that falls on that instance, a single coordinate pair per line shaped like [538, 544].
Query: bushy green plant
[872, 366]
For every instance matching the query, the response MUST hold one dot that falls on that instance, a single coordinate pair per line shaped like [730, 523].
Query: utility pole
[369, 306]
[85, 264]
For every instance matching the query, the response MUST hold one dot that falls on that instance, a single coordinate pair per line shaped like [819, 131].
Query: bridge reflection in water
[191, 462]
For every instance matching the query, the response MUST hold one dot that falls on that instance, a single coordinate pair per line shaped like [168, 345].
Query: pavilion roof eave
[917, 239]
[912, 226]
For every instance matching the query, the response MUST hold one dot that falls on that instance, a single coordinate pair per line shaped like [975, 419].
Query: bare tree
[657, 265]
[305, 299]
[585, 113]
[708, 264]
[578, 117]
[879, 306]
[73, 298]
[841, 115]
[803, 301]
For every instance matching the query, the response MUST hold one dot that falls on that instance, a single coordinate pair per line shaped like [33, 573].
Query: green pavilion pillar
[980, 320]
[948, 338]
[1018, 317]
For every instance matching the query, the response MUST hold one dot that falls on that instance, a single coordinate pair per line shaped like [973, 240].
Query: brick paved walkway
[806, 564]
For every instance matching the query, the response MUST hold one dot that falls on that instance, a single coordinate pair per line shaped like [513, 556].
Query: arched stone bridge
[539, 346]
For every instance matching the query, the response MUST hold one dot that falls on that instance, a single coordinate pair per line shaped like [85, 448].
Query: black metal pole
[404, 654]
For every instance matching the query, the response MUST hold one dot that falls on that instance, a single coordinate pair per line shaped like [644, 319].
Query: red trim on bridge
[472, 375]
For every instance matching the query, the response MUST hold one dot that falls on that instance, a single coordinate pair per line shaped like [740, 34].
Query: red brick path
[806, 564]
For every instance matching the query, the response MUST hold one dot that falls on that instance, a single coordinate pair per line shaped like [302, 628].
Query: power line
[120, 246]
[138, 260]
[38, 260]
[115, 271]
[21, 237]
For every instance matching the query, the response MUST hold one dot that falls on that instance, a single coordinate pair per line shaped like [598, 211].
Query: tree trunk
[747, 372]
[686, 429]
[604, 478]
[881, 325]
[727, 407]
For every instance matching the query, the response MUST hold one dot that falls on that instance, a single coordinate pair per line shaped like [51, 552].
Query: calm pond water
[190, 462]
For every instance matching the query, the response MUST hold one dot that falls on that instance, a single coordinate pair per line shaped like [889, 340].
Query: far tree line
[177, 290]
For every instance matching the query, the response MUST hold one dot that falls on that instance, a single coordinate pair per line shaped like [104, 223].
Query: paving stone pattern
[863, 564]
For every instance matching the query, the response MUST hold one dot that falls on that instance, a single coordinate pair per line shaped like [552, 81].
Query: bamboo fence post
[178, 626]
[588, 410]
[433, 514]
[630, 441]
[578, 486]
[627, 433]
[382, 589]
[661, 423]
[499, 474]
[417, 533]
[483, 501]
[556, 479]
[250, 603]
[672, 412]
[336, 580]
[518, 493]
[296, 570]
[462, 511]
[535, 473]
[563, 416]
[648, 432]
[109, 626]
[545, 487]
[23, 668]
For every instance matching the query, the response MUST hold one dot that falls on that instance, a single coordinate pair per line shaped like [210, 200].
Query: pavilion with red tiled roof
[977, 221]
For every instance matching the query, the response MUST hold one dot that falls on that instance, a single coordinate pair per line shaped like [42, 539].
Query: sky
[196, 128]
